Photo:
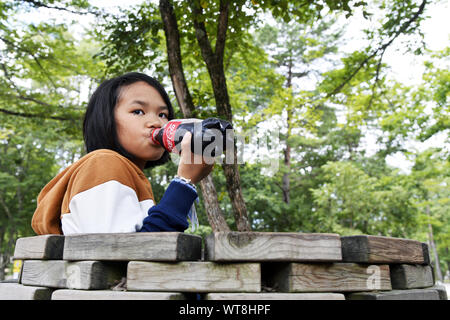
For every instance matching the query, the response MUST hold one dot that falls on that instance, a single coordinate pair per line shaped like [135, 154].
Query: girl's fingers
[193, 166]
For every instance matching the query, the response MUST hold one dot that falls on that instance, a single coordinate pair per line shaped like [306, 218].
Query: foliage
[25, 166]
[431, 197]
[352, 200]
[46, 75]
[284, 68]
[132, 40]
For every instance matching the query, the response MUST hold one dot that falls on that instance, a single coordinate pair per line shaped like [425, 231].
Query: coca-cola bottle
[212, 132]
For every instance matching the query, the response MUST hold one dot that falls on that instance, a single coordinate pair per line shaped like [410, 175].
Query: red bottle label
[169, 134]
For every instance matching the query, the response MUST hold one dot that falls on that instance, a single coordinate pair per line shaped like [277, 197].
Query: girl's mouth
[152, 136]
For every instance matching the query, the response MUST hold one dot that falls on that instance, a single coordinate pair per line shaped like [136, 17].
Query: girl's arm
[170, 214]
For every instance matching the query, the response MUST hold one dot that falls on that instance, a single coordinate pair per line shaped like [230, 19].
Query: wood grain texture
[426, 254]
[329, 277]
[15, 291]
[194, 277]
[144, 246]
[272, 246]
[65, 294]
[406, 276]
[75, 275]
[413, 294]
[40, 247]
[274, 296]
[377, 249]
[442, 291]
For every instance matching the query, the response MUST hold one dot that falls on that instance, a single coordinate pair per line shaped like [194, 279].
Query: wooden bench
[236, 265]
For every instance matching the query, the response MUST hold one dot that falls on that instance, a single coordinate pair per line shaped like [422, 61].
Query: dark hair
[99, 126]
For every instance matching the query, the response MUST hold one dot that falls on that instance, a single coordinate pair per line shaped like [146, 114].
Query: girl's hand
[193, 166]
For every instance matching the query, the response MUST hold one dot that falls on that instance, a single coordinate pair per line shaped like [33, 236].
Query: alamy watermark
[373, 282]
[256, 146]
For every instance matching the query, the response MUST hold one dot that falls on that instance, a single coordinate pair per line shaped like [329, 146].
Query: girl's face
[139, 110]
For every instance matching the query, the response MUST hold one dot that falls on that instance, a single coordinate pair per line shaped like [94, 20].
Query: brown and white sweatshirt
[102, 192]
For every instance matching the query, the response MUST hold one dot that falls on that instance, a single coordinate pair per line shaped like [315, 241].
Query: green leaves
[131, 40]
[435, 91]
[25, 168]
[431, 197]
[289, 74]
[45, 75]
[43, 71]
[357, 202]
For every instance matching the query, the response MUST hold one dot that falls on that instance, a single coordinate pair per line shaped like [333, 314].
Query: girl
[106, 190]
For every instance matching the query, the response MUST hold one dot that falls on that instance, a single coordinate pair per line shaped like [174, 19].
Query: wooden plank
[407, 276]
[15, 291]
[65, 294]
[426, 254]
[329, 277]
[74, 275]
[377, 249]
[413, 294]
[44, 247]
[145, 246]
[272, 246]
[442, 291]
[194, 277]
[274, 296]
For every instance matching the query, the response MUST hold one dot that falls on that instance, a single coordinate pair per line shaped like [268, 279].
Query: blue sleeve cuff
[170, 214]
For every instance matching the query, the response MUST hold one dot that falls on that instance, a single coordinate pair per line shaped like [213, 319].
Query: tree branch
[22, 97]
[32, 55]
[19, 94]
[201, 34]
[5, 207]
[278, 185]
[377, 78]
[40, 4]
[381, 48]
[174, 58]
[222, 26]
[34, 115]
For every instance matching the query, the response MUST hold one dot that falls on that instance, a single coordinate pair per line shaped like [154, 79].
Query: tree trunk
[286, 181]
[9, 233]
[231, 170]
[213, 211]
[2, 266]
[214, 64]
[433, 248]
[235, 193]
[215, 215]
[174, 57]
[447, 274]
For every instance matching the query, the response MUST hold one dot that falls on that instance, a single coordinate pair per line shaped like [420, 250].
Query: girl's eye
[138, 112]
[163, 115]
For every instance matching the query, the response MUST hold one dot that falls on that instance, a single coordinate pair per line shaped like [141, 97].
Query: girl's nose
[153, 121]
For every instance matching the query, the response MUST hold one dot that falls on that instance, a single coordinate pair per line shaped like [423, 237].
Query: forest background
[360, 147]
